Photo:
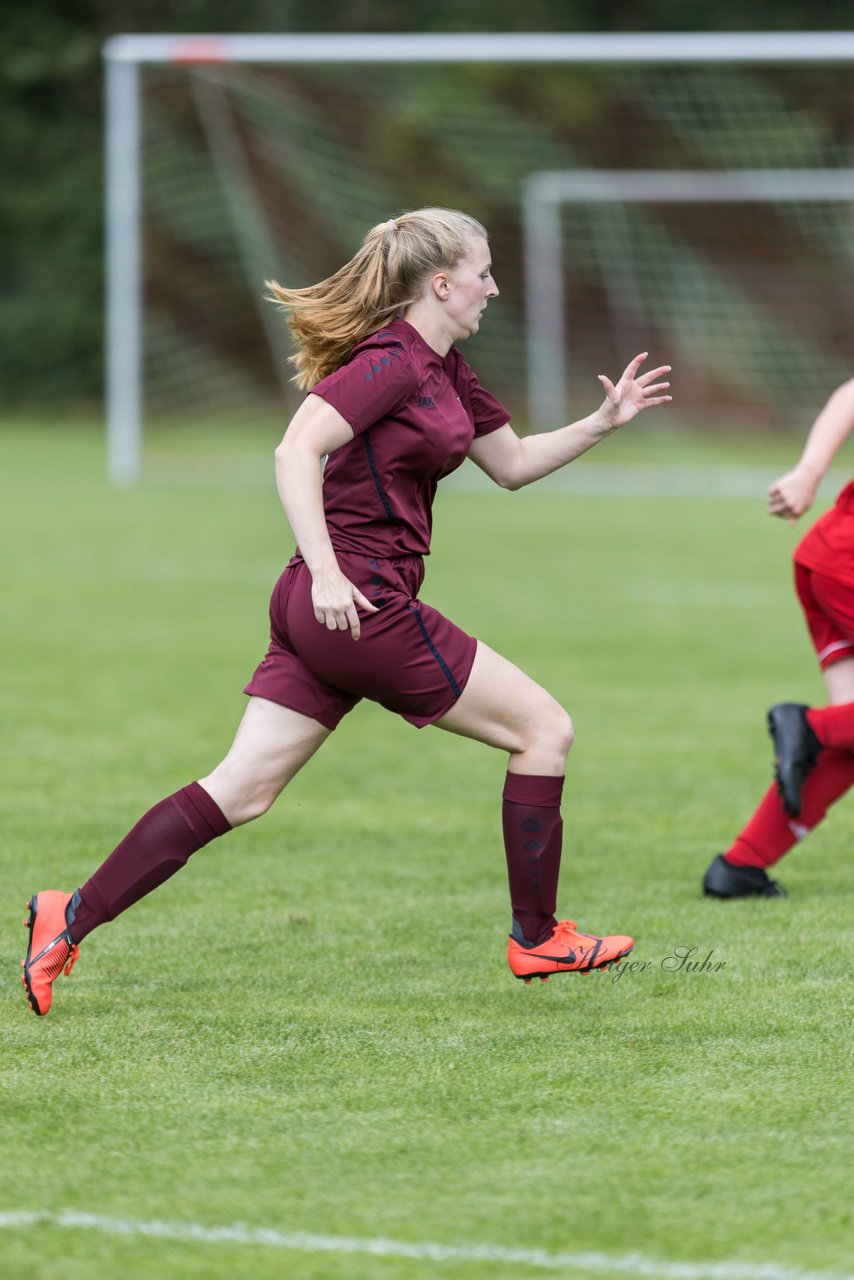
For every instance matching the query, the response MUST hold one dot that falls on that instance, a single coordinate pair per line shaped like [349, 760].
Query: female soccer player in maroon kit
[392, 409]
[814, 747]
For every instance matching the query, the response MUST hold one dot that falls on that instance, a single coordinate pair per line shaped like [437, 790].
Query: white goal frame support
[545, 194]
[124, 55]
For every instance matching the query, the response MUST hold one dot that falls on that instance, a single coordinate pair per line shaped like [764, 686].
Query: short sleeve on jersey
[377, 381]
[486, 412]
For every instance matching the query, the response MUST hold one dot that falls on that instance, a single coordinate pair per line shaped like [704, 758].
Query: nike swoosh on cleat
[569, 958]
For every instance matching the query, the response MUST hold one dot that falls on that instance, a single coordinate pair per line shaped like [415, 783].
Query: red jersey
[828, 547]
[414, 414]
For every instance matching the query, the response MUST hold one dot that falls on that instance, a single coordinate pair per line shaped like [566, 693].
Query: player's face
[471, 287]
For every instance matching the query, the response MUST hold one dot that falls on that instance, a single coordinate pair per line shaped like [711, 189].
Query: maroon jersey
[415, 415]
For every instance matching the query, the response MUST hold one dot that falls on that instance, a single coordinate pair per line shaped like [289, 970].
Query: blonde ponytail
[327, 320]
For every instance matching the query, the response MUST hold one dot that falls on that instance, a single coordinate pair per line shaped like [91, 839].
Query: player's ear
[441, 285]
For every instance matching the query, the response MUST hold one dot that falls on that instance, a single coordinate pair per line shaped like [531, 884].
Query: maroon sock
[771, 831]
[833, 726]
[532, 841]
[157, 847]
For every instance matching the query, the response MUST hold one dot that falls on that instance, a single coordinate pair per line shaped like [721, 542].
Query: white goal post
[545, 196]
[545, 193]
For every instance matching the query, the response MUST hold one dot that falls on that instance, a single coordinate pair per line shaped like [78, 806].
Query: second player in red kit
[392, 408]
[813, 746]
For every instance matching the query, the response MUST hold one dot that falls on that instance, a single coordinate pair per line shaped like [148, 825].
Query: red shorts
[409, 657]
[828, 605]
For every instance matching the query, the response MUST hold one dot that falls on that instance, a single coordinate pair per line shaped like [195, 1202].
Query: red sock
[157, 847]
[833, 726]
[532, 841]
[771, 831]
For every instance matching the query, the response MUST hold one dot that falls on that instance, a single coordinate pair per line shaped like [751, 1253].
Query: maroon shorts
[828, 605]
[409, 657]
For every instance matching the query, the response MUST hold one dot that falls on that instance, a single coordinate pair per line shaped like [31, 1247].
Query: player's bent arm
[794, 493]
[315, 430]
[830, 430]
[513, 461]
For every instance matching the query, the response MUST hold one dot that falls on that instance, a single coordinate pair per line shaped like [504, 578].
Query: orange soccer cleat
[51, 949]
[566, 951]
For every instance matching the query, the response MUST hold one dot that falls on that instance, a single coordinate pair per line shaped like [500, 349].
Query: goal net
[237, 159]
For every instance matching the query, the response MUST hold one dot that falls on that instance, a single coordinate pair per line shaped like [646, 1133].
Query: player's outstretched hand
[634, 391]
[792, 494]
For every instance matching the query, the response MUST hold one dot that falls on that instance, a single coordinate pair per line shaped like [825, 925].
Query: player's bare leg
[504, 708]
[839, 682]
[271, 746]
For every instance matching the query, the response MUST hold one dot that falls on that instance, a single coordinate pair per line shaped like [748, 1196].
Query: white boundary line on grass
[594, 479]
[630, 1264]
[650, 480]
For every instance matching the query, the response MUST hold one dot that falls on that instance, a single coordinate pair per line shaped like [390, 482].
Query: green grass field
[305, 1055]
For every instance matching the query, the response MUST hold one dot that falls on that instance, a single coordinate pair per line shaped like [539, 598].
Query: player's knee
[553, 731]
[563, 730]
[253, 803]
[239, 801]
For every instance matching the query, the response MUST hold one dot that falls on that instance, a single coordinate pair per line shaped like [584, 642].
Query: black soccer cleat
[796, 749]
[723, 880]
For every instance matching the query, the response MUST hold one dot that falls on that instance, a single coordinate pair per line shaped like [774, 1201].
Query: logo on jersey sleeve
[376, 368]
[394, 353]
